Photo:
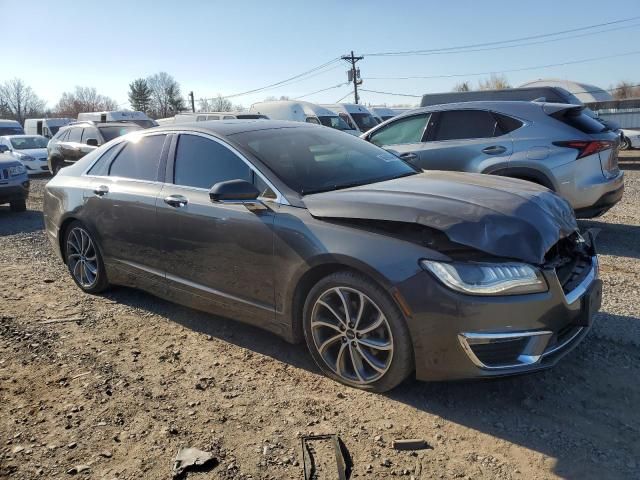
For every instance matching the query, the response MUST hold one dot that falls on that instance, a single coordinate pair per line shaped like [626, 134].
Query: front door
[218, 256]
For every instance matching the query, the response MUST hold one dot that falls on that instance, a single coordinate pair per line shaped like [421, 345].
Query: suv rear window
[111, 132]
[463, 124]
[506, 124]
[576, 118]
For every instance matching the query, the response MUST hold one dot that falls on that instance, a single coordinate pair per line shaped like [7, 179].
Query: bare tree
[218, 104]
[19, 100]
[166, 98]
[83, 99]
[462, 87]
[624, 89]
[494, 82]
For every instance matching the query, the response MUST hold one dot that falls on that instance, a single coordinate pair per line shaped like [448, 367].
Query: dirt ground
[116, 393]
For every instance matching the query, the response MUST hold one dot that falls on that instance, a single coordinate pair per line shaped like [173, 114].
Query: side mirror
[92, 142]
[4, 148]
[234, 190]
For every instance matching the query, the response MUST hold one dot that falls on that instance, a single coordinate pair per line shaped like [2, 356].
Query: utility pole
[193, 102]
[354, 74]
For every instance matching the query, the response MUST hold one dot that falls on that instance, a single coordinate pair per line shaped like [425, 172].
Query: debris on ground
[192, 459]
[410, 444]
[323, 458]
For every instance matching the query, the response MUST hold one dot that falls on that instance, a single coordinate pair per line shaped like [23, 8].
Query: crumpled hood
[497, 215]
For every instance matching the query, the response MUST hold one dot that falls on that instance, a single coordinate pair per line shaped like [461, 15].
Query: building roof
[585, 92]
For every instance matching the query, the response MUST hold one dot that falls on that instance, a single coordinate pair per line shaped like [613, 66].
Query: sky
[224, 47]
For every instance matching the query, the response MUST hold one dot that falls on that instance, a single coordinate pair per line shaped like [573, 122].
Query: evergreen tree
[140, 95]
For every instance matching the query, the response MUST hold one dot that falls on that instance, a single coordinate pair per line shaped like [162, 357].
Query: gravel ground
[115, 394]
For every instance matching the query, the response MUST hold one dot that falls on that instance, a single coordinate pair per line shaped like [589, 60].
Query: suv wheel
[18, 205]
[84, 260]
[56, 166]
[625, 144]
[356, 334]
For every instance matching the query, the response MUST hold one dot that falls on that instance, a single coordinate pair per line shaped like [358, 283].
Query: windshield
[311, 160]
[54, 130]
[365, 121]
[11, 131]
[334, 122]
[109, 133]
[25, 143]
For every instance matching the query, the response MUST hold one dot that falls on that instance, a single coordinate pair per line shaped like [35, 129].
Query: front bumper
[36, 167]
[13, 191]
[462, 336]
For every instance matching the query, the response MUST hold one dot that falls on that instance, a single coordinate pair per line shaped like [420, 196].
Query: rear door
[121, 205]
[70, 148]
[464, 140]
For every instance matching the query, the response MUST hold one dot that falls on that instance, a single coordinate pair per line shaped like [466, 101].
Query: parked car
[630, 139]
[356, 116]
[14, 182]
[320, 237]
[74, 141]
[31, 150]
[10, 127]
[139, 118]
[555, 145]
[205, 116]
[47, 127]
[382, 114]
[298, 111]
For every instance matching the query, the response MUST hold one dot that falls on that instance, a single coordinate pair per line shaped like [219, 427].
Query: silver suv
[556, 145]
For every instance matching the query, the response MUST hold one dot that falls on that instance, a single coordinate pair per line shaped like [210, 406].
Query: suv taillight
[585, 147]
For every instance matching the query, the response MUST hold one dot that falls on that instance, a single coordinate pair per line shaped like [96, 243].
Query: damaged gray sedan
[382, 269]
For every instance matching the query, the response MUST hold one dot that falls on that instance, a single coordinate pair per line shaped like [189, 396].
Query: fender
[523, 173]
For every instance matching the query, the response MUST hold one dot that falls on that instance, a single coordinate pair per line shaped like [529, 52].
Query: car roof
[84, 123]
[230, 127]
[486, 104]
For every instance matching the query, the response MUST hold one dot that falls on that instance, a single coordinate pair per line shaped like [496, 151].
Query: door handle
[408, 156]
[494, 150]
[101, 190]
[176, 201]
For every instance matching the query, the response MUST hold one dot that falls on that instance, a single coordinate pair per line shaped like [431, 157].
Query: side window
[228, 117]
[347, 119]
[506, 124]
[213, 117]
[461, 124]
[202, 163]
[90, 133]
[101, 167]
[405, 130]
[139, 160]
[312, 120]
[201, 118]
[75, 135]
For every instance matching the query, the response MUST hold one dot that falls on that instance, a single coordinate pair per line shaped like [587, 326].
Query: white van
[10, 127]
[47, 127]
[204, 116]
[302, 112]
[356, 116]
[382, 113]
[139, 118]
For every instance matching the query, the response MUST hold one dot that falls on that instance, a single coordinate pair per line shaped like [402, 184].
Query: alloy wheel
[81, 257]
[352, 335]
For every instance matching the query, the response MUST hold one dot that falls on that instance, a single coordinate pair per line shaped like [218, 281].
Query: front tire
[18, 205]
[84, 260]
[356, 334]
[625, 144]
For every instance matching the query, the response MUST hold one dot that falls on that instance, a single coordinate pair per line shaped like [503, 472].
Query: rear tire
[369, 347]
[56, 166]
[18, 205]
[84, 260]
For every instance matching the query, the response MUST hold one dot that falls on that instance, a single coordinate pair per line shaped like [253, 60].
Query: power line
[573, 62]
[342, 98]
[500, 42]
[391, 93]
[322, 90]
[256, 90]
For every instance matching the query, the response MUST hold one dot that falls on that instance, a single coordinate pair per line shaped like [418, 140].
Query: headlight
[488, 278]
[17, 170]
[25, 157]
